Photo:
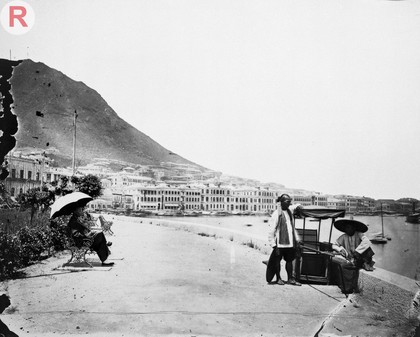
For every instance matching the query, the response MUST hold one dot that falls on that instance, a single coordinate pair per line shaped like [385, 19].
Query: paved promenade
[172, 282]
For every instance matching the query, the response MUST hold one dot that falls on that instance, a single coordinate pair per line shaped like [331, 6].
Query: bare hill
[44, 102]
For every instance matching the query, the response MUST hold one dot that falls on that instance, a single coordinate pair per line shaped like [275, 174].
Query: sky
[318, 95]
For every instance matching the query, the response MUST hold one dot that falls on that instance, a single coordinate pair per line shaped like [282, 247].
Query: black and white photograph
[204, 168]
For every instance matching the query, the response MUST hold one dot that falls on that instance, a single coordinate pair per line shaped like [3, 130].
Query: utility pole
[74, 142]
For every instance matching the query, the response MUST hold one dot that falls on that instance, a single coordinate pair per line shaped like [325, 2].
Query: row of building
[185, 188]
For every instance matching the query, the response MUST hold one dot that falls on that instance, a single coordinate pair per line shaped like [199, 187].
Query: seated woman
[354, 253]
[80, 229]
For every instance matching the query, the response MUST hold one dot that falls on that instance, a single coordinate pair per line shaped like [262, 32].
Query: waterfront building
[145, 197]
[121, 199]
[352, 203]
[183, 189]
[171, 197]
[25, 172]
[164, 197]
[190, 198]
[96, 169]
[320, 200]
[366, 205]
[55, 173]
[252, 199]
[393, 206]
[106, 200]
[100, 204]
[124, 178]
[239, 200]
[266, 200]
[216, 198]
[304, 200]
[403, 207]
[336, 203]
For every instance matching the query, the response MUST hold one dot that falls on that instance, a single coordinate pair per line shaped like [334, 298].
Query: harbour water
[400, 255]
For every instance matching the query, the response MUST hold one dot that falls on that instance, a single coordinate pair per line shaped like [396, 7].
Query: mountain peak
[45, 103]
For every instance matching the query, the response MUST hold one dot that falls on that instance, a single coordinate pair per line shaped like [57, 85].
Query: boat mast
[382, 220]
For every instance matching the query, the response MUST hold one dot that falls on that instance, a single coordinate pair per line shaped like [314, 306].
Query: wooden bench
[105, 225]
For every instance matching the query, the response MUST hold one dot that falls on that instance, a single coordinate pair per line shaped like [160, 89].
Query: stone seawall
[399, 294]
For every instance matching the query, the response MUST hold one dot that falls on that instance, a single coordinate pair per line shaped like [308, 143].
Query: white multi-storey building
[266, 202]
[215, 198]
[190, 198]
[25, 172]
[94, 169]
[122, 179]
[336, 203]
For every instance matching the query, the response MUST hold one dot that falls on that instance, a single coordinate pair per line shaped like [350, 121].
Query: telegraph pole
[74, 142]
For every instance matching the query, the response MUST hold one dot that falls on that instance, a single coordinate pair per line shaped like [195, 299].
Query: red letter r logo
[17, 17]
[17, 12]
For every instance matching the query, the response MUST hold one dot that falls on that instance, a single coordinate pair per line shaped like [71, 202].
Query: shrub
[29, 245]
[58, 234]
[28, 235]
[9, 255]
[32, 243]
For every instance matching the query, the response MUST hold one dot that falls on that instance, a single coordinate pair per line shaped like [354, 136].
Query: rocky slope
[45, 101]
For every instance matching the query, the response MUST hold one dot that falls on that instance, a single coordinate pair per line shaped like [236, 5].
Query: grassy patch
[252, 245]
[11, 310]
[207, 235]
[378, 317]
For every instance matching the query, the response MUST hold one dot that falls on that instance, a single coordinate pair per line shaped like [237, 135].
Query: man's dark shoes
[279, 282]
[109, 243]
[293, 282]
[107, 264]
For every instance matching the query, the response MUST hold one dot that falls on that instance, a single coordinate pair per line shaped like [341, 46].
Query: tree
[61, 186]
[89, 184]
[35, 199]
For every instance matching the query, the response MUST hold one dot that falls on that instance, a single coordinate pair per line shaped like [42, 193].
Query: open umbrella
[67, 204]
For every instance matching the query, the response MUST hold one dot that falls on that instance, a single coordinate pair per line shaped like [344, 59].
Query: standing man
[284, 239]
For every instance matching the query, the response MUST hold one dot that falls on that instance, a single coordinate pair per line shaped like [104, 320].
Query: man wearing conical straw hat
[354, 252]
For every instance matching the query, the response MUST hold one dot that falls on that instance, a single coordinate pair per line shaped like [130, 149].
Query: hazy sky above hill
[319, 95]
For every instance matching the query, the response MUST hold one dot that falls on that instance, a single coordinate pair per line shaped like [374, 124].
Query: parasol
[68, 203]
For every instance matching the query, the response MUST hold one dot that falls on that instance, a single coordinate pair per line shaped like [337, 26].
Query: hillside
[44, 103]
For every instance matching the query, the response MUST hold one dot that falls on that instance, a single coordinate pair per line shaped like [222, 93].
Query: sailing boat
[380, 237]
[414, 217]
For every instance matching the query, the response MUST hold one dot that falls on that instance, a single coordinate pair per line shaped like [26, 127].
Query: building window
[21, 174]
[29, 175]
[13, 173]
[37, 176]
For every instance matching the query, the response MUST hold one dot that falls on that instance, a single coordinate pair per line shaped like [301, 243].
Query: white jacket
[273, 228]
